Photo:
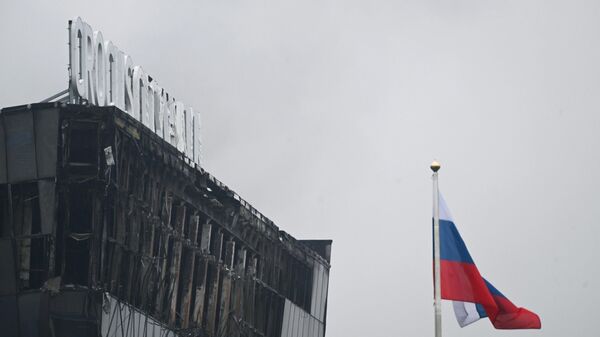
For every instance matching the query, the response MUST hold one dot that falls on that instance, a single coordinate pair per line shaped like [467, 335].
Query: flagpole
[435, 166]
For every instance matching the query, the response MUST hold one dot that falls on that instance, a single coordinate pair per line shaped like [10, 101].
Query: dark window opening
[38, 267]
[131, 178]
[210, 279]
[83, 145]
[123, 277]
[80, 208]
[26, 209]
[77, 254]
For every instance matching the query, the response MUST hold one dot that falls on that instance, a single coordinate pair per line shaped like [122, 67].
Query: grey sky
[326, 114]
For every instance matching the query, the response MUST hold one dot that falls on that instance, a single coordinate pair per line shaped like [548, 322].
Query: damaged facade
[107, 230]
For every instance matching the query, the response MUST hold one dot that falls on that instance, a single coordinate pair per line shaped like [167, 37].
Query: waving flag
[473, 296]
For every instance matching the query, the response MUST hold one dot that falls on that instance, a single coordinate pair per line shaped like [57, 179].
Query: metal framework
[106, 230]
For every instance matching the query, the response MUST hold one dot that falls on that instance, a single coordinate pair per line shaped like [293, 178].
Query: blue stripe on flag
[480, 310]
[452, 247]
[493, 289]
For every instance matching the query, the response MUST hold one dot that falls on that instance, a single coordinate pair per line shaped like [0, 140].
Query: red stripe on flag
[511, 317]
[462, 282]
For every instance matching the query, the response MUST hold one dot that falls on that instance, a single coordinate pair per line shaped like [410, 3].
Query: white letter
[114, 68]
[149, 111]
[139, 93]
[158, 109]
[170, 119]
[99, 79]
[189, 132]
[179, 126]
[77, 57]
[197, 140]
[165, 98]
[128, 83]
[89, 62]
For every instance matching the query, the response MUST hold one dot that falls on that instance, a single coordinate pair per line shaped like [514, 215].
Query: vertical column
[435, 166]
[163, 252]
[229, 254]
[225, 302]
[187, 271]
[200, 292]
[201, 274]
[175, 266]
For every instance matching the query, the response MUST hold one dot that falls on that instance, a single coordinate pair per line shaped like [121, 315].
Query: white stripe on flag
[444, 211]
[465, 312]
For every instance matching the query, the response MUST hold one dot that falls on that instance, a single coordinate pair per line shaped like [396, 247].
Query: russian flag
[473, 296]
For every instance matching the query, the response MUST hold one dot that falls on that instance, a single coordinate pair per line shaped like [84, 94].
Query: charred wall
[96, 208]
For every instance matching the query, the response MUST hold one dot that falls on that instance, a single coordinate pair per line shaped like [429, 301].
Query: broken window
[83, 144]
[79, 209]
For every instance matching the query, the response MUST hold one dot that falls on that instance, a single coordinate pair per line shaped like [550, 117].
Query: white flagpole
[435, 166]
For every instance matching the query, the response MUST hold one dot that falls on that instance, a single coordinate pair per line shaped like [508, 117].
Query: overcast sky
[326, 114]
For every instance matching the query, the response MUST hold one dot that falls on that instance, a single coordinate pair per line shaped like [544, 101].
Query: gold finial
[435, 166]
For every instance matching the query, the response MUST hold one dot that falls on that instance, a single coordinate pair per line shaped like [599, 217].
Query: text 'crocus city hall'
[110, 227]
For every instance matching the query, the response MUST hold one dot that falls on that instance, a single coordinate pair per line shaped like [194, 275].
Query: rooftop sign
[101, 74]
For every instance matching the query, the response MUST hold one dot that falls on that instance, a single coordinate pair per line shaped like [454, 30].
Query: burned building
[106, 229]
